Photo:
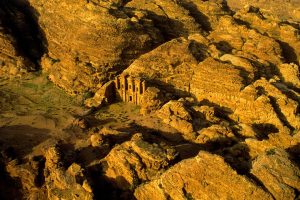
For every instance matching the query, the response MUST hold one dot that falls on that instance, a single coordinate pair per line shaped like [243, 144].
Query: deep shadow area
[279, 113]
[23, 138]
[9, 188]
[224, 46]
[104, 189]
[169, 28]
[199, 17]
[221, 111]
[294, 153]
[19, 20]
[263, 130]
[238, 157]
[198, 50]
[288, 52]
[153, 136]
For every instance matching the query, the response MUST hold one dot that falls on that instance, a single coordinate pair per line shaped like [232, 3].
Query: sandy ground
[34, 111]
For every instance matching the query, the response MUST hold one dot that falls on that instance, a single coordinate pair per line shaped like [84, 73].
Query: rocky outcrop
[232, 36]
[176, 114]
[210, 70]
[195, 76]
[206, 176]
[21, 40]
[11, 64]
[286, 33]
[289, 73]
[64, 183]
[49, 178]
[31, 176]
[170, 65]
[206, 13]
[172, 19]
[152, 100]
[215, 136]
[103, 96]
[136, 161]
[277, 173]
[89, 42]
[282, 9]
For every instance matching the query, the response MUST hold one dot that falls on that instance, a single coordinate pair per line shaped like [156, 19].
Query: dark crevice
[100, 183]
[169, 28]
[276, 108]
[280, 115]
[199, 17]
[263, 130]
[288, 52]
[125, 2]
[19, 20]
[40, 178]
[259, 183]
[10, 188]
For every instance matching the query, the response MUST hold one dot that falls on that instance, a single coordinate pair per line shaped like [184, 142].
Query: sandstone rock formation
[65, 183]
[209, 107]
[215, 135]
[285, 10]
[206, 176]
[286, 34]
[136, 161]
[172, 19]
[11, 63]
[170, 65]
[104, 95]
[278, 174]
[99, 40]
[152, 100]
[22, 42]
[176, 114]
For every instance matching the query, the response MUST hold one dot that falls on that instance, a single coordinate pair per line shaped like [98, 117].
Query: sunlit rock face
[88, 43]
[282, 9]
[189, 175]
[170, 99]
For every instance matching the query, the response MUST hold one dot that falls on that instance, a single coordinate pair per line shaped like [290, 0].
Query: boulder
[177, 115]
[290, 74]
[277, 173]
[215, 136]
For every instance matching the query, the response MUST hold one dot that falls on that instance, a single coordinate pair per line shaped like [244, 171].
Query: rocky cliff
[218, 88]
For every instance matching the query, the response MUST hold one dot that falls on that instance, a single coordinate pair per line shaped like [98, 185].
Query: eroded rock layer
[210, 91]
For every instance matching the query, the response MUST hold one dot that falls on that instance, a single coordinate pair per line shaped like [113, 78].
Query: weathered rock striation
[175, 99]
[136, 161]
[206, 176]
[90, 42]
[285, 10]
